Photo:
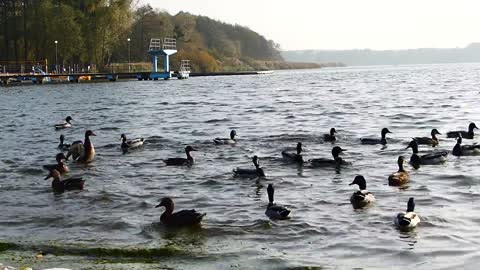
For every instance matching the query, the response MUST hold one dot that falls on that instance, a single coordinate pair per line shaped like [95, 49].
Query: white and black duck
[66, 124]
[130, 144]
[362, 197]
[275, 211]
[408, 220]
[230, 140]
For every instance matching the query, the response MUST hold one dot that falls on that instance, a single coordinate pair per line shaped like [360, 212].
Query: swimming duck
[181, 161]
[433, 158]
[180, 218]
[66, 124]
[131, 143]
[465, 150]
[83, 151]
[275, 211]
[433, 141]
[362, 197]
[294, 157]
[408, 220]
[230, 140]
[330, 137]
[63, 146]
[250, 172]
[336, 161]
[61, 167]
[382, 140]
[59, 185]
[465, 134]
[401, 176]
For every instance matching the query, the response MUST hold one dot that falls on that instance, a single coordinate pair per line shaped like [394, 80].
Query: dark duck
[181, 161]
[83, 151]
[59, 185]
[433, 158]
[433, 141]
[331, 136]
[465, 150]
[66, 124]
[275, 211]
[465, 134]
[400, 177]
[294, 157]
[336, 161]
[230, 140]
[179, 219]
[61, 167]
[257, 172]
[130, 144]
[382, 140]
[362, 197]
[63, 146]
[408, 220]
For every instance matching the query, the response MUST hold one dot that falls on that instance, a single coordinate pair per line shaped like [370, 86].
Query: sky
[346, 24]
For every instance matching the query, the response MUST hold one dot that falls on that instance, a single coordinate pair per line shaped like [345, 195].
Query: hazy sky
[346, 24]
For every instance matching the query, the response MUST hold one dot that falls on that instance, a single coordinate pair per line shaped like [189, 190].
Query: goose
[181, 161]
[382, 140]
[433, 158]
[179, 219]
[63, 146]
[362, 197]
[465, 150]
[83, 151]
[433, 141]
[275, 211]
[61, 167]
[257, 172]
[66, 124]
[409, 219]
[294, 157]
[59, 185]
[331, 136]
[134, 143]
[401, 176]
[465, 134]
[336, 161]
[230, 140]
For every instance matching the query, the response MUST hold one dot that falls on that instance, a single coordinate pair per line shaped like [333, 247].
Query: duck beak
[193, 149]
[159, 205]
[48, 176]
[93, 134]
[352, 183]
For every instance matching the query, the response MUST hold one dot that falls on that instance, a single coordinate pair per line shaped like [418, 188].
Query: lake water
[113, 222]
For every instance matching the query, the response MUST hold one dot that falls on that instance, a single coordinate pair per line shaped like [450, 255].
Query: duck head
[62, 138]
[332, 131]
[435, 132]
[385, 131]
[360, 181]
[459, 138]
[53, 174]
[414, 145]
[471, 127]
[167, 203]
[123, 138]
[89, 133]
[233, 133]
[336, 151]
[189, 149]
[415, 161]
[299, 148]
[256, 162]
[401, 162]
[68, 119]
[411, 205]
[60, 157]
[270, 192]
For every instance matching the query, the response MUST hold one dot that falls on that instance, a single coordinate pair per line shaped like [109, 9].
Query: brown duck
[180, 218]
[61, 167]
[401, 176]
[83, 151]
[59, 185]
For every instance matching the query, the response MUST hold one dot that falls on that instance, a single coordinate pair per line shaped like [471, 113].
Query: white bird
[408, 220]
[362, 197]
[65, 124]
[128, 144]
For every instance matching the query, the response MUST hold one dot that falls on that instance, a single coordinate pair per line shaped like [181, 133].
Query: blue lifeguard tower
[163, 48]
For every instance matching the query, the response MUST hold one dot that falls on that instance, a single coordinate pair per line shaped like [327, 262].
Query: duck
[433, 158]
[336, 161]
[66, 124]
[83, 151]
[408, 220]
[401, 176]
[134, 143]
[362, 197]
[275, 211]
[61, 167]
[181, 161]
[230, 140]
[181, 218]
[382, 140]
[433, 141]
[59, 185]
[63, 146]
[465, 134]
[331, 136]
[257, 172]
[294, 157]
[465, 150]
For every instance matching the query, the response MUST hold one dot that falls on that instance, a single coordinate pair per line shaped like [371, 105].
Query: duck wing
[244, 172]
[135, 143]
[275, 211]
[73, 183]
[434, 158]
[185, 218]
[77, 150]
[329, 138]
[322, 162]
[424, 141]
[63, 125]
[454, 134]
[292, 156]
[370, 141]
[176, 161]
[223, 141]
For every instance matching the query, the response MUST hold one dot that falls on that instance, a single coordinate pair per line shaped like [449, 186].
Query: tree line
[102, 32]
